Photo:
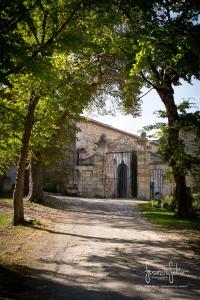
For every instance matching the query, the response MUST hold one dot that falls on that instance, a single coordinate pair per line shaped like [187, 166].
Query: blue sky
[151, 103]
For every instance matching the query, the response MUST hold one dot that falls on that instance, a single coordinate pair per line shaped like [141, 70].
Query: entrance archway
[122, 180]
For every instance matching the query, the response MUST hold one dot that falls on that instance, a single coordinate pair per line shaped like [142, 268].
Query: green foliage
[67, 52]
[178, 154]
[50, 186]
[31, 30]
[167, 219]
[57, 113]
[5, 219]
[182, 157]
[196, 197]
[156, 203]
[154, 42]
[169, 203]
[53, 62]
[11, 124]
[196, 201]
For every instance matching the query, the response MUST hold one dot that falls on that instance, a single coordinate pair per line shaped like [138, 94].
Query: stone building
[110, 163]
[106, 162]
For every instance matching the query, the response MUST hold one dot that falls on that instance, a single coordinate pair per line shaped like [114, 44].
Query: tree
[157, 44]
[31, 30]
[56, 117]
[187, 156]
[63, 93]
[135, 44]
[36, 35]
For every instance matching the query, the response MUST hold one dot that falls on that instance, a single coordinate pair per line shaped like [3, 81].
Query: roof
[87, 119]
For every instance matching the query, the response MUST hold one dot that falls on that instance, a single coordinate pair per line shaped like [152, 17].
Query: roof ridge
[86, 118]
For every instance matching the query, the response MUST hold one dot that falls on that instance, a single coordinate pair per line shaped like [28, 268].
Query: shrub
[156, 203]
[169, 203]
[50, 186]
[196, 197]
[196, 201]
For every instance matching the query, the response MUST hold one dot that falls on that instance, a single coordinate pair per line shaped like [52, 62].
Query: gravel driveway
[103, 250]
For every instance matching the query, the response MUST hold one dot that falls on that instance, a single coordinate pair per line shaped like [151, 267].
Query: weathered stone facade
[102, 150]
[192, 147]
[60, 169]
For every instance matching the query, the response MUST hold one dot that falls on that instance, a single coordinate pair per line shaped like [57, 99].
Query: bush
[50, 186]
[196, 201]
[156, 203]
[196, 197]
[169, 203]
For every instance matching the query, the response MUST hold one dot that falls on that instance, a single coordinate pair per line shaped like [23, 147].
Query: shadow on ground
[14, 285]
[100, 253]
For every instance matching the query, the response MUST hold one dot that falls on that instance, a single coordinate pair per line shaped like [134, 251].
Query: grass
[6, 216]
[166, 219]
[16, 242]
[5, 219]
[7, 201]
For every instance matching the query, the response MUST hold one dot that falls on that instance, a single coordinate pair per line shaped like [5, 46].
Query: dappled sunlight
[100, 249]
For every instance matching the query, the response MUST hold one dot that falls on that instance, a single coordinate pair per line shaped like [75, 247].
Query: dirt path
[100, 249]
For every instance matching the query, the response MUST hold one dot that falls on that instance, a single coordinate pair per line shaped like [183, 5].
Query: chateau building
[107, 162]
[110, 163]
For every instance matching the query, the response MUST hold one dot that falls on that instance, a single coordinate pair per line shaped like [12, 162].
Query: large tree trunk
[183, 197]
[35, 182]
[19, 186]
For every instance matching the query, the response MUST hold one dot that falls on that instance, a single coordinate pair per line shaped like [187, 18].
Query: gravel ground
[101, 249]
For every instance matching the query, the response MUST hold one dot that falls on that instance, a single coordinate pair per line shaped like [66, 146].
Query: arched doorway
[122, 173]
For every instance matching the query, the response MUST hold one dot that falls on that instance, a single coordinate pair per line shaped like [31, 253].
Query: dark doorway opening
[122, 180]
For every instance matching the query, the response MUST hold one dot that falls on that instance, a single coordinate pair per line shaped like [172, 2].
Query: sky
[151, 103]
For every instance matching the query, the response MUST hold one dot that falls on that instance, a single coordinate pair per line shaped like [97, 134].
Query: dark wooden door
[122, 180]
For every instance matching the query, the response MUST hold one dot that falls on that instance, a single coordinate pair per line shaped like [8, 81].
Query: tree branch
[145, 93]
[19, 67]
[64, 24]
[125, 12]
[167, 10]
[44, 27]
[154, 70]
[123, 51]
[33, 30]
[148, 81]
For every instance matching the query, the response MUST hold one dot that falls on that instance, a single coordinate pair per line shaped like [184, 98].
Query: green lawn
[166, 218]
[4, 219]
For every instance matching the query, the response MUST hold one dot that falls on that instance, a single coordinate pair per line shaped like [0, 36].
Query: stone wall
[117, 140]
[101, 181]
[192, 147]
[61, 170]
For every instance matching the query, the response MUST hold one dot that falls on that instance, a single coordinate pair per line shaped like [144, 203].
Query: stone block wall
[60, 168]
[85, 181]
[117, 140]
[102, 183]
[192, 147]
[143, 175]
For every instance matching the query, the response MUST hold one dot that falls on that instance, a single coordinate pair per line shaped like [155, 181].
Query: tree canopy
[156, 45]
[55, 56]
